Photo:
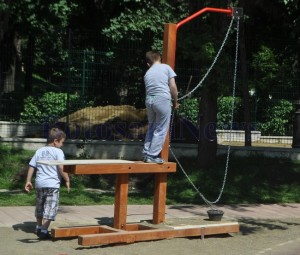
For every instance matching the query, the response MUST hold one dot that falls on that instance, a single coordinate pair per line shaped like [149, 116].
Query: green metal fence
[102, 95]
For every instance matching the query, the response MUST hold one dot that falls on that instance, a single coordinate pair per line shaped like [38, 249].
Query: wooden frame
[95, 235]
[121, 232]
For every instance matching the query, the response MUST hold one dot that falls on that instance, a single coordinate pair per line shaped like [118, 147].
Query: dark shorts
[46, 203]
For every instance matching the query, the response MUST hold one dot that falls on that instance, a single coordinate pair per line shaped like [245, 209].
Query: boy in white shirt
[47, 181]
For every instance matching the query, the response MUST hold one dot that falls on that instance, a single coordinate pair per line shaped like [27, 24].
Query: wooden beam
[80, 230]
[156, 234]
[132, 168]
[70, 232]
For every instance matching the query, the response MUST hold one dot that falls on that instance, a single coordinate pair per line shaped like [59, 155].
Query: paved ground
[10, 216]
[265, 229]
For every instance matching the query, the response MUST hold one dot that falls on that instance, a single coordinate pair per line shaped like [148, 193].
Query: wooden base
[97, 235]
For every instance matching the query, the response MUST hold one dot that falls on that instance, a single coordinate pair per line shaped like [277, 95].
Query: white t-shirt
[47, 176]
[157, 80]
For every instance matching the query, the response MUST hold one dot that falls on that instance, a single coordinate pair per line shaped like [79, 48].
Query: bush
[50, 106]
[225, 110]
[277, 116]
[189, 109]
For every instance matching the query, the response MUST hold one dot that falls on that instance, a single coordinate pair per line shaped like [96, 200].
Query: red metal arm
[207, 9]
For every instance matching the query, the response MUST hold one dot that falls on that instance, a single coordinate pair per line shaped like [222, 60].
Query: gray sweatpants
[158, 113]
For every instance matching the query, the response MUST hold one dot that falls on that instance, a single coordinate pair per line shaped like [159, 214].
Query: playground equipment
[121, 232]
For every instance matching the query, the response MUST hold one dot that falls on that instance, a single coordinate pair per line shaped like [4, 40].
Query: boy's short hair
[55, 134]
[152, 56]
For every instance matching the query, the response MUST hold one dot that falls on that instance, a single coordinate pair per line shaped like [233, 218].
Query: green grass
[13, 166]
[250, 180]
[74, 197]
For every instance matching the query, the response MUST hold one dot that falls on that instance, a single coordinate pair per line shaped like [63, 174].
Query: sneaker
[43, 236]
[150, 159]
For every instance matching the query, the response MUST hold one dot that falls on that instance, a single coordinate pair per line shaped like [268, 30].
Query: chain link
[212, 65]
[208, 202]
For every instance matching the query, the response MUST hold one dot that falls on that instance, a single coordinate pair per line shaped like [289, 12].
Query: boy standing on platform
[160, 90]
[47, 181]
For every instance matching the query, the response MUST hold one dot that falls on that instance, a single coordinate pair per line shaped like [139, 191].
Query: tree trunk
[9, 81]
[207, 146]
[13, 64]
[245, 88]
[7, 54]
[29, 64]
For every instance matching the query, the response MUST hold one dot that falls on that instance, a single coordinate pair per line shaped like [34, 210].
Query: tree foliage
[34, 35]
[266, 69]
[277, 116]
[32, 32]
[145, 21]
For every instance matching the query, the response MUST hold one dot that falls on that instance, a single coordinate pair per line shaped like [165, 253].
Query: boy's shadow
[27, 227]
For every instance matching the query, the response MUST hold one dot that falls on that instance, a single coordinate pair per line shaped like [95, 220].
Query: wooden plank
[80, 230]
[160, 193]
[121, 197]
[156, 234]
[221, 224]
[84, 162]
[133, 168]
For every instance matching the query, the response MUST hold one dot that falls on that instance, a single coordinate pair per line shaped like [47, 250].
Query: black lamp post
[296, 126]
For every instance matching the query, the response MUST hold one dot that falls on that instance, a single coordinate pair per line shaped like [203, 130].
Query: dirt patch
[117, 122]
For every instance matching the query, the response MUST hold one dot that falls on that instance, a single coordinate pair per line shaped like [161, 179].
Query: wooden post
[160, 185]
[160, 196]
[169, 49]
[121, 198]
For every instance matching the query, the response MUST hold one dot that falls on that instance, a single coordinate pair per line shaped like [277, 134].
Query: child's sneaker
[43, 235]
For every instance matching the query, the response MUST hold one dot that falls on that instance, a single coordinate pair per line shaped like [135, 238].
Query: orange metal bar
[207, 9]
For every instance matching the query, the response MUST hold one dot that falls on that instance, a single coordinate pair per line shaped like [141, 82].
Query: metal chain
[208, 202]
[212, 65]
